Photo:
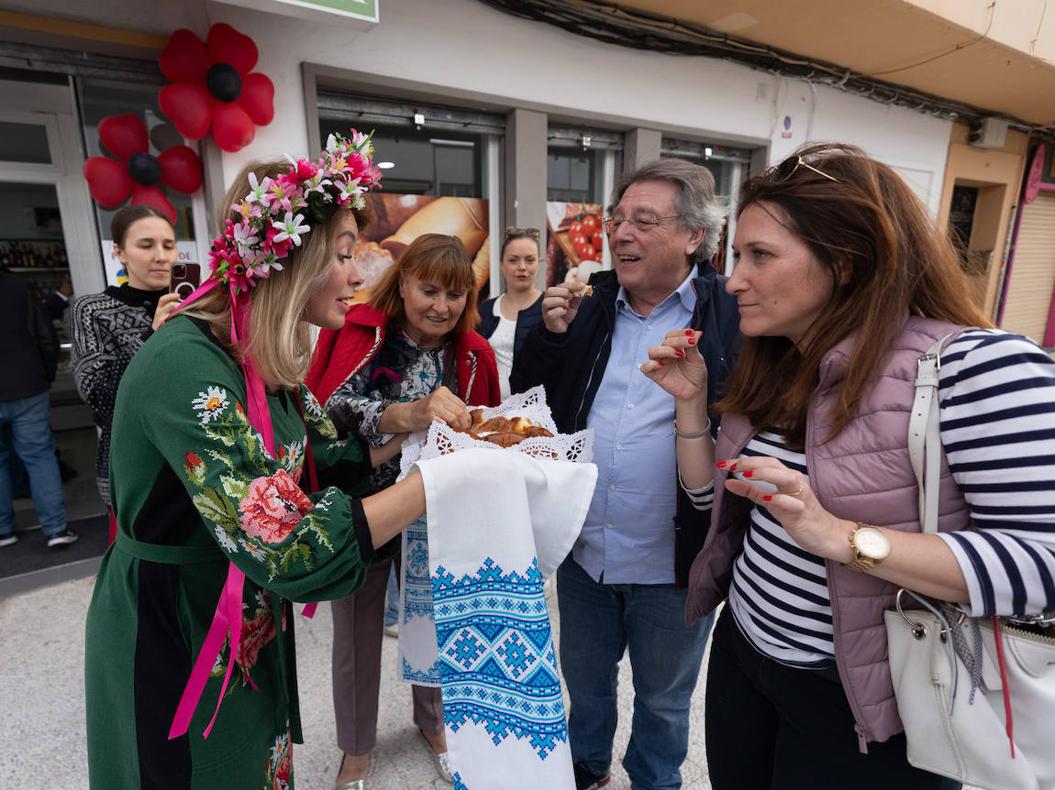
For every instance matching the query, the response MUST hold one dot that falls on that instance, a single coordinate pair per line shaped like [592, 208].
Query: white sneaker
[63, 538]
[392, 630]
[8, 540]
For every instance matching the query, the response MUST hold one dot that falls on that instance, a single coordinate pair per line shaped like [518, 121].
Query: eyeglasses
[789, 166]
[513, 232]
[643, 224]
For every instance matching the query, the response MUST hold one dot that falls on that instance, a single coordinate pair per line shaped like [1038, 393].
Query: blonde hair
[435, 258]
[279, 341]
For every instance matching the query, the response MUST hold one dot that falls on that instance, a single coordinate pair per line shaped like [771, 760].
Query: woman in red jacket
[405, 359]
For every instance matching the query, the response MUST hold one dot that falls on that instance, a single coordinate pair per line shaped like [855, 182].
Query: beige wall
[997, 174]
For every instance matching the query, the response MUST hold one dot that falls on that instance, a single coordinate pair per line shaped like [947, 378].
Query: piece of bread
[504, 438]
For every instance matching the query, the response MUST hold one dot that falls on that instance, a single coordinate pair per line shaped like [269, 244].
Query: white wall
[463, 45]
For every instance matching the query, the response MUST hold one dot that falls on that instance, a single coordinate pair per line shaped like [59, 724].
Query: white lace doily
[441, 440]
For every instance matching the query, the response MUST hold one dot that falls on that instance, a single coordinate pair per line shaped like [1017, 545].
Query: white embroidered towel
[502, 704]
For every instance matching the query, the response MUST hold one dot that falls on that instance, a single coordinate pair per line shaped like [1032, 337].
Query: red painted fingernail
[722, 464]
[748, 473]
[678, 352]
[688, 333]
[660, 363]
[767, 498]
[691, 341]
[732, 468]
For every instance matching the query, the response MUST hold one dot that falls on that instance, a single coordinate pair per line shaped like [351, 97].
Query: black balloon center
[223, 82]
[144, 170]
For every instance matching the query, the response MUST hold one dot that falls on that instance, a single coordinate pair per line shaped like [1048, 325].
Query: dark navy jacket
[571, 365]
[527, 319]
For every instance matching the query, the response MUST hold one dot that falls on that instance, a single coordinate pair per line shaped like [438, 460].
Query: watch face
[872, 543]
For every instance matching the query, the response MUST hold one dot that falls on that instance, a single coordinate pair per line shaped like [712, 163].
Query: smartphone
[186, 277]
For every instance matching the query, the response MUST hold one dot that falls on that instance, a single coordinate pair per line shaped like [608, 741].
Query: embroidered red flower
[273, 507]
[136, 171]
[213, 85]
[256, 633]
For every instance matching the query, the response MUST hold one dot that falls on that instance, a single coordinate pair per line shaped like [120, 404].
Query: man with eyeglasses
[623, 585]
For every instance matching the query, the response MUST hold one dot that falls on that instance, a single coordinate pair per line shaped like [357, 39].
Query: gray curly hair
[696, 203]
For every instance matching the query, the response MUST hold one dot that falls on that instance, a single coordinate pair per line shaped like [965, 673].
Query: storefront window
[24, 142]
[100, 98]
[580, 174]
[439, 174]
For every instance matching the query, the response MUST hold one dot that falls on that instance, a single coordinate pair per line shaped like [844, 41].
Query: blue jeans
[598, 623]
[392, 597]
[29, 420]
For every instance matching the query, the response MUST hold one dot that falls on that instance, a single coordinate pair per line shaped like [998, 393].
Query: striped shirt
[997, 425]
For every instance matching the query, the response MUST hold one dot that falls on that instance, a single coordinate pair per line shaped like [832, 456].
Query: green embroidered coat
[193, 488]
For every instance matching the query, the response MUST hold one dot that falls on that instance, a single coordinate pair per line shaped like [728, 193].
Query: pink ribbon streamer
[227, 619]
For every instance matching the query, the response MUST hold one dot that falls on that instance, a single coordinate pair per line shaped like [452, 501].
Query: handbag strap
[924, 440]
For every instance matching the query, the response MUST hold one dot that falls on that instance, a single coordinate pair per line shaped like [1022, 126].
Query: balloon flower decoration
[213, 86]
[135, 172]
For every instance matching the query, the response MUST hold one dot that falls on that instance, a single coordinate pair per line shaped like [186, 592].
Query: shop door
[1032, 280]
[48, 240]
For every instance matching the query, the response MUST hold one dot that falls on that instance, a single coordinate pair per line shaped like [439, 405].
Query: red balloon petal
[227, 45]
[124, 135]
[232, 128]
[155, 198]
[180, 169]
[258, 98]
[108, 181]
[189, 107]
[184, 58]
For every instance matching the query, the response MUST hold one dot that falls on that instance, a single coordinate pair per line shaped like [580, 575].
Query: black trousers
[774, 727]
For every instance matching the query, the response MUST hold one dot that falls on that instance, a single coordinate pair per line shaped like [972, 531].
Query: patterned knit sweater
[107, 329]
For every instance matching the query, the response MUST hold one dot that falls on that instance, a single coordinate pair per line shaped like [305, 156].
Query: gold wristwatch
[870, 547]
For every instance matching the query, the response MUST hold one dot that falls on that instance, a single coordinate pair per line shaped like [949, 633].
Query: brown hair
[129, 215]
[514, 233]
[279, 338]
[867, 227]
[435, 258]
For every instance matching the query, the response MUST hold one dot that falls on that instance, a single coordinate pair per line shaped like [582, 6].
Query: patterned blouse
[401, 372]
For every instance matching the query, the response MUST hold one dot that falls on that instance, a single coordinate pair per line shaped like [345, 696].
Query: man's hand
[166, 304]
[560, 305]
[441, 406]
[677, 366]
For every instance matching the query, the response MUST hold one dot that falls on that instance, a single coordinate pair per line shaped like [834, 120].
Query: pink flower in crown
[247, 210]
[303, 170]
[279, 198]
[245, 237]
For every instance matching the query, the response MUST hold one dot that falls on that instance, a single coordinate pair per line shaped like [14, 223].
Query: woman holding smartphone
[108, 328]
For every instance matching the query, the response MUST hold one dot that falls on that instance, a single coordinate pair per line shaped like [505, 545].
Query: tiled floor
[42, 704]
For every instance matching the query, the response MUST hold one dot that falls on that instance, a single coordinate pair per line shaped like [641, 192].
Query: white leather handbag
[976, 695]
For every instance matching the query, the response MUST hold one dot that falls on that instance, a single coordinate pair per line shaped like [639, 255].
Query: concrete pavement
[42, 704]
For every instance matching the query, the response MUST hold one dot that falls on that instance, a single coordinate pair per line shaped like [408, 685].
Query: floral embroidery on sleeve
[256, 514]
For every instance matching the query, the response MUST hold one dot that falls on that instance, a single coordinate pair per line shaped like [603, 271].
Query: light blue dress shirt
[629, 531]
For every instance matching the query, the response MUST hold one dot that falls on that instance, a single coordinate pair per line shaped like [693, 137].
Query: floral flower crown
[273, 213]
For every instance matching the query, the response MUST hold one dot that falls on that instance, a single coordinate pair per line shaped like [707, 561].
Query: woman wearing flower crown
[215, 448]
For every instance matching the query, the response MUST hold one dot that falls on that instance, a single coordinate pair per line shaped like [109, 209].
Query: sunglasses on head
[517, 233]
[786, 169]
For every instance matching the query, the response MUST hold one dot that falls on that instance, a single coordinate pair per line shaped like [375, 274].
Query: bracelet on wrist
[698, 435]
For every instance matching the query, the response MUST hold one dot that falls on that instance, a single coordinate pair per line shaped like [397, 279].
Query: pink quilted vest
[863, 474]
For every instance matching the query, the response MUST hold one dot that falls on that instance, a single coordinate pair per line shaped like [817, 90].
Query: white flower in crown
[258, 190]
[291, 227]
[348, 191]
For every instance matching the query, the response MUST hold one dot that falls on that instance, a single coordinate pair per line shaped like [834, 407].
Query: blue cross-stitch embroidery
[497, 661]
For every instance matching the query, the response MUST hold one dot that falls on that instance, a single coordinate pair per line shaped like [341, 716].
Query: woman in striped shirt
[843, 282]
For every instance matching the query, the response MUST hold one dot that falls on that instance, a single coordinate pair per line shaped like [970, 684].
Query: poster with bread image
[399, 219]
